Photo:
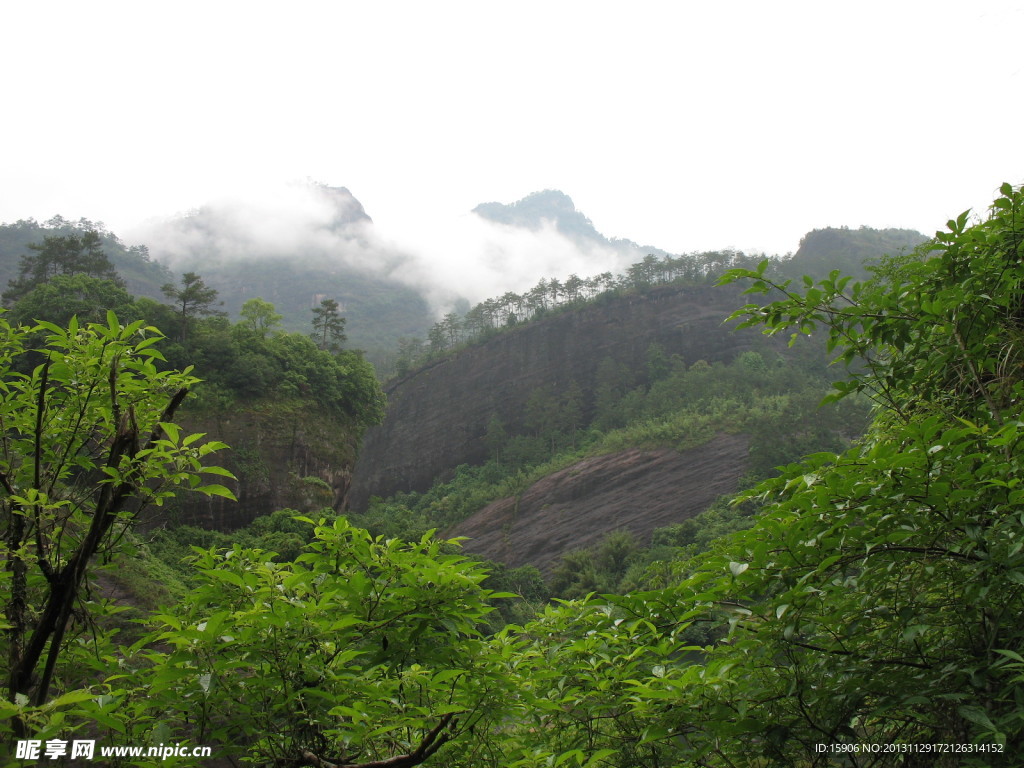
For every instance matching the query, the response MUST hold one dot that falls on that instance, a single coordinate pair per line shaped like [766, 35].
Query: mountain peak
[348, 210]
[551, 206]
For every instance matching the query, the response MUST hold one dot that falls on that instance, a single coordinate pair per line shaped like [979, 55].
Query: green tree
[658, 363]
[65, 296]
[436, 337]
[260, 316]
[88, 443]
[328, 326]
[452, 327]
[77, 254]
[193, 299]
[495, 438]
[571, 415]
[409, 350]
[611, 382]
[542, 414]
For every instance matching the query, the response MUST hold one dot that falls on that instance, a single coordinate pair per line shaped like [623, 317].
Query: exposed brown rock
[633, 490]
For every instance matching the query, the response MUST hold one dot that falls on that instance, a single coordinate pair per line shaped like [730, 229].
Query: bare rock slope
[632, 490]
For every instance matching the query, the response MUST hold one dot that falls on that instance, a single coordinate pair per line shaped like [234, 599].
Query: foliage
[359, 650]
[260, 316]
[588, 670]
[596, 570]
[142, 275]
[88, 443]
[279, 535]
[65, 296]
[243, 363]
[878, 598]
[247, 367]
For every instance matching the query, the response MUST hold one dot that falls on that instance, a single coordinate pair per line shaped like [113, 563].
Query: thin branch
[432, 742]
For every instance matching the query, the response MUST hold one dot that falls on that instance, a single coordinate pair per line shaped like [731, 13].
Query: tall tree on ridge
[328, 326]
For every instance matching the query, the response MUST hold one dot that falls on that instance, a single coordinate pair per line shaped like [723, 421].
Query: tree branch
[433, 741]
[66, 582]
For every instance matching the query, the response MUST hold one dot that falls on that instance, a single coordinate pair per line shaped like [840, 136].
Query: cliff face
[284, 457]
[438, 415]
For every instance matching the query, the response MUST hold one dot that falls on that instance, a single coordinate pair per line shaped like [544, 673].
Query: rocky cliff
[438, 415]
[284, 456]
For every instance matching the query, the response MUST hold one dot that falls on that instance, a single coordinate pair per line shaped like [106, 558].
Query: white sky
[684, 125]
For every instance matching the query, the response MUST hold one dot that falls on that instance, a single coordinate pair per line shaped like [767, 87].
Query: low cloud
[467, 258]
[472, 258]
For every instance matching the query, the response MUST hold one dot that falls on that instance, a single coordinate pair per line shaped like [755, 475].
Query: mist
[465, 258]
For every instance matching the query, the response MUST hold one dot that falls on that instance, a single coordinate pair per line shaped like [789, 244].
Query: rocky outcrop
[575, 508]
[284, 456]
[437, 415]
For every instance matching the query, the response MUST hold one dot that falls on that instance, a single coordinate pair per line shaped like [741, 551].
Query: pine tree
[193, 298]
[328, 326]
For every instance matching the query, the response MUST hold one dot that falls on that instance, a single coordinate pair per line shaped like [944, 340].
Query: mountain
[441, 415]
[304, 244]
[438, 415]
[551, 207]
[851, 251]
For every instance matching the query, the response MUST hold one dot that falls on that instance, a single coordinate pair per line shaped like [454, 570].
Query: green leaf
[216, 490]
[71, 697]
[172, 430]
[217, 471]
[976, 715]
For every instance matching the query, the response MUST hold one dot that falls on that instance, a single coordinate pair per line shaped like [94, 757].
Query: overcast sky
[682, 125]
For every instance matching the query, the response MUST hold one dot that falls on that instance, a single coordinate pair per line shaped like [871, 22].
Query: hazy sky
[682, 125]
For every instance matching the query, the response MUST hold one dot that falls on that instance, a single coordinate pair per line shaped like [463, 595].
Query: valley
[605, 349]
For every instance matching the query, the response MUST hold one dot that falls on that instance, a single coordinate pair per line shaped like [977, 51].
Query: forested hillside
[293, 404]
[142, 274]
[439, 413]
[639, 369]
[850, 251]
